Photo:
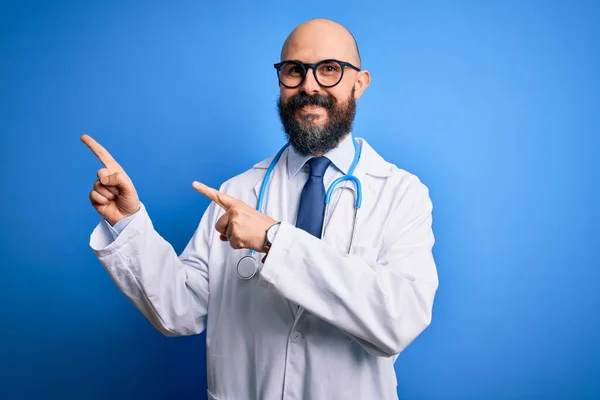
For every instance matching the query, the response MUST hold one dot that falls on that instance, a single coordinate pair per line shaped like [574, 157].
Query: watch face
[271, 233]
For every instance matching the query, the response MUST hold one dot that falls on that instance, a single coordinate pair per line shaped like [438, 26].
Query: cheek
[340, 94]
[286, 93]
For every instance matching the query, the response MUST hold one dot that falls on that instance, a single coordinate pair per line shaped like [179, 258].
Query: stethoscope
[247, 266]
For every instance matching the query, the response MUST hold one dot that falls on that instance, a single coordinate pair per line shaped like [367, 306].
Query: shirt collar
[371, 163]
[341, 156]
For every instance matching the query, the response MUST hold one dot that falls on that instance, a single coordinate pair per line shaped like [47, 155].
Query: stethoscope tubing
[247, 266]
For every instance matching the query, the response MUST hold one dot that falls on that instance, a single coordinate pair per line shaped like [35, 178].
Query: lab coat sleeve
[171, 291]
[384, 304]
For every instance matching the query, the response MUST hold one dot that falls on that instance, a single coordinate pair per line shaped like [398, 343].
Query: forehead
[313, 47]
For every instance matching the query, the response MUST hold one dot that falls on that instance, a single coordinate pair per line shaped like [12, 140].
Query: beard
[304, 133]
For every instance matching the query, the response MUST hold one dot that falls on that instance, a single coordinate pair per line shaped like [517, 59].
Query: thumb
[113, 180]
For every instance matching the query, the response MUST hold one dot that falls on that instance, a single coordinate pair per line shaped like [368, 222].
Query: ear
[363, 79]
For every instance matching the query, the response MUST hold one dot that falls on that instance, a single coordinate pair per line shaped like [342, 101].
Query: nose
[310, 84]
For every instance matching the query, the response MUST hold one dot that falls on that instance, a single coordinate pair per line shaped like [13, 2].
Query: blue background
[494, 105]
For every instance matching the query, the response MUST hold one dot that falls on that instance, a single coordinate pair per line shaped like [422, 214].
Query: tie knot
[318, 166]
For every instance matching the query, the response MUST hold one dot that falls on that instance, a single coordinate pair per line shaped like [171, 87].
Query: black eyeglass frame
[314, 66]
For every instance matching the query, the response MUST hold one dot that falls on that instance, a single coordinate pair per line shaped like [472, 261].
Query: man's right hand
[114, 196]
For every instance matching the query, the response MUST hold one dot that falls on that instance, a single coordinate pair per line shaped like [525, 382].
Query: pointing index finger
[100, 152]
[224, 200]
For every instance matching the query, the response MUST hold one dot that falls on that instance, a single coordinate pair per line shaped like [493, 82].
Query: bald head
[319, 39]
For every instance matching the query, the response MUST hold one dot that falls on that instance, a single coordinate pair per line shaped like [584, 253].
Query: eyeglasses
[328, 73]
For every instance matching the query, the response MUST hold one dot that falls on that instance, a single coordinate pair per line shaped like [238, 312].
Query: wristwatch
[270, 238]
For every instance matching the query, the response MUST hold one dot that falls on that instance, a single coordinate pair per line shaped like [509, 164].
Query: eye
[329, 68]
[295, 70]
[292, 70]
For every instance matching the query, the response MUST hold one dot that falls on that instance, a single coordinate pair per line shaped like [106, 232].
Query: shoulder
[404, 184]
[376, 166]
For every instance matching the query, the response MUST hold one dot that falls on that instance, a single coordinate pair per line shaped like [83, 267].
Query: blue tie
[312, 200]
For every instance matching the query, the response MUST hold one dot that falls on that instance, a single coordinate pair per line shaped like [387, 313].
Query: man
[314, 322]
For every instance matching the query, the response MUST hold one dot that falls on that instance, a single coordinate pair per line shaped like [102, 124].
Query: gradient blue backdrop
[494, 105]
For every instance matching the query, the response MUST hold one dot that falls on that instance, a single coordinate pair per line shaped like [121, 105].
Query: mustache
[302, 99]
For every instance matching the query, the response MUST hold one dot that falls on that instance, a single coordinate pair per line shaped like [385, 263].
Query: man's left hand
[241, 225]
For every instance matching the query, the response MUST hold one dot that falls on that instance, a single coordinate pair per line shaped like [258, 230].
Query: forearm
[382, 306]
[171, 291]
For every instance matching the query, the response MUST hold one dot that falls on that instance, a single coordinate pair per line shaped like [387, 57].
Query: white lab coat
[357, 312]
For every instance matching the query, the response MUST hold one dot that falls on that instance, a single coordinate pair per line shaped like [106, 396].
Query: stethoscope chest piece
[247, 267]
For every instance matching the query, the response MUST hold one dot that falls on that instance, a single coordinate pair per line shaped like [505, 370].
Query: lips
[310, 108]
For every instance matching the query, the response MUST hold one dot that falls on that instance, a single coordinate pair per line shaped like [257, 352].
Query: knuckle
[102, 172]
[96, 197]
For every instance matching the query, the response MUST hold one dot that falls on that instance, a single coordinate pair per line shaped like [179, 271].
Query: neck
[320, 153]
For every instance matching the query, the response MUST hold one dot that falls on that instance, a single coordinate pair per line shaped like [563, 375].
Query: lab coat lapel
[263, 166]
[370, 169]
[276, 189]
[340, 220]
